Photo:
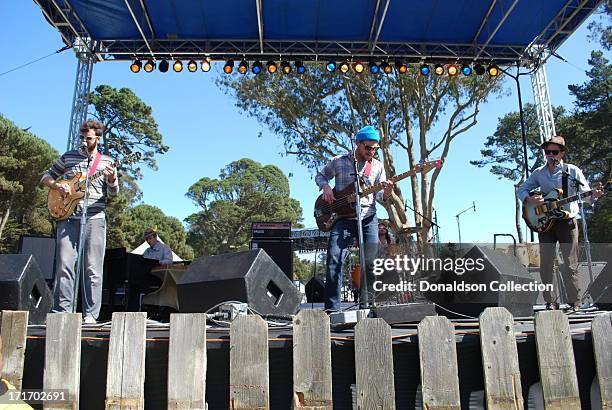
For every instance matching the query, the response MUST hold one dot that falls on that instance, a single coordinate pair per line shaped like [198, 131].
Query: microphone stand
[457, 216]
[82, 237]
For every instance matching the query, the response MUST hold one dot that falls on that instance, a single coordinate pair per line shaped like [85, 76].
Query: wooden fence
[312, 370]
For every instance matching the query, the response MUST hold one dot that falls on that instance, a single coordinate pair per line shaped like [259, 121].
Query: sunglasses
[552, 151]
[87, 138]
[371, 148]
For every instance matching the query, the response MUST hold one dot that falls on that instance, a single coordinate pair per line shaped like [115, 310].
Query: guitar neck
[573, 198]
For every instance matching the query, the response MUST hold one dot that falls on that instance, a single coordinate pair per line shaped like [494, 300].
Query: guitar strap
[564, 181]
[368, 169]
[92, 170]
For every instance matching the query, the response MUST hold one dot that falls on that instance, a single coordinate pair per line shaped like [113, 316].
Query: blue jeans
[341, 237]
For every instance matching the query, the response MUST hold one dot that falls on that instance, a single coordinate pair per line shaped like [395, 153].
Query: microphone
[83, 147]
[474, 205]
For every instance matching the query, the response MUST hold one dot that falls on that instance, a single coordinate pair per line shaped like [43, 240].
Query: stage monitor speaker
[497, 269]
[23, 287]
[601, 288]
[315, 290]
[43, 249]
[250, 276]
[279, 250]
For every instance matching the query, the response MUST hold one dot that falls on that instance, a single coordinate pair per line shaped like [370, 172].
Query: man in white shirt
[157, 250]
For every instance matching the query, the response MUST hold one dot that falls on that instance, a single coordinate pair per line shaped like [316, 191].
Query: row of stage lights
[344, 67]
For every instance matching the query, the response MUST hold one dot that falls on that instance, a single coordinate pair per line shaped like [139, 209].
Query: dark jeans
[565, 232]
[341, 237]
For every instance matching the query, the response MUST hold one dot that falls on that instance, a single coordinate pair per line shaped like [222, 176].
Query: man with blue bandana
[344, 231]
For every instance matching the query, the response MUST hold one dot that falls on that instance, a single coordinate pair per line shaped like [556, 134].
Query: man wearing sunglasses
[565, 231]
[68, 230]
[344, 231]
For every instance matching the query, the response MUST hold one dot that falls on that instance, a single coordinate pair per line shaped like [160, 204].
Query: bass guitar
[540, 218]
[61, 207]
[327, 214]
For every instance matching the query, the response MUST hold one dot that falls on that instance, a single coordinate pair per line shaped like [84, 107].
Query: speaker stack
[275, 239]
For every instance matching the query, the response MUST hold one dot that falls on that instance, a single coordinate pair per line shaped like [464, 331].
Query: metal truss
[82, 86]
[539, 83]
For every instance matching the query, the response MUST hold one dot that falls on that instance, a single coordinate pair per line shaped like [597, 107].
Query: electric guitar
[540, 218]
[61, 207]
[327, 214]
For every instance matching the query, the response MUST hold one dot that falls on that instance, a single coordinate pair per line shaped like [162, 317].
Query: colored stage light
[386, 67]
[424, 69]
[358, 67]
[149, 66]
[439, 69]
[466, 70]
[331, 66]
[228, 67]
[452, 70]
[243, 67]
[205, 65]
[401, 67]
[299, 67]
[177, 66]
[344, 67]
[256, 68]
[136, 66]
[286, 67]
[374, 68]
[272, 67]
[479, 69]
[493, 70]
[164, 66]
[192, 66]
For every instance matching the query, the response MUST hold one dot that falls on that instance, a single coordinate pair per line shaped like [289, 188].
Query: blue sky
[205, 131]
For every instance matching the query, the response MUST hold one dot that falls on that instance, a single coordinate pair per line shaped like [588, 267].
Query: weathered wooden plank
[63, 358]
[438, 357]
[14, 331]
[500, 360]
[126, 361]
[374, 365]
[312, 375]
[187, 361]
[602, 346]
[556, 361]
[249, 380]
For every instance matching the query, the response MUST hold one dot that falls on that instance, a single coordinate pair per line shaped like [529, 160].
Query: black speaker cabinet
[315, 290]
[279, 250]
[43, 249]
[250, 276]
[23, 287]
[492, 270]
[601, 288]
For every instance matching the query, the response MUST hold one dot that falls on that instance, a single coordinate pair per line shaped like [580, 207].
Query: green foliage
[129, 125]
[601, 29]
[304, 270]
[245, 192]
[23, 159]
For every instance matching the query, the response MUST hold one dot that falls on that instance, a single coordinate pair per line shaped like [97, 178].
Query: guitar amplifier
[270, 230]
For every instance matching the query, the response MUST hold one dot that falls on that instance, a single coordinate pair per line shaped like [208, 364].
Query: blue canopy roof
[470, 30]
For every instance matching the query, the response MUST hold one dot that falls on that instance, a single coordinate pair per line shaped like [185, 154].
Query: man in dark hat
[565, 231]
[344, 231]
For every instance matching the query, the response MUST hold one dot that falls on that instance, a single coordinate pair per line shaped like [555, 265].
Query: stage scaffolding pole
[82, 86]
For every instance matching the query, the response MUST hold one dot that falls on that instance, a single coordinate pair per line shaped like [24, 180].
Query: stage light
[358, 67]
[479, 69]
[344, 67]
[243, 67]
[136, 66]
[466, 70]
[387, 69]
[424, 69]
[205, 65]
[493, 70]
[331, 66]
[452, 70]
[272, 67]
[401, 67]
[149, 66]
[164, 66]
[256, 67]
[374, 68]
[192, 66]
[177, 66]
[286, 67]
[439, 69]
[228, 67]
[299, 67]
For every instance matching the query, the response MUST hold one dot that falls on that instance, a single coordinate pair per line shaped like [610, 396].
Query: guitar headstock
[426, 166]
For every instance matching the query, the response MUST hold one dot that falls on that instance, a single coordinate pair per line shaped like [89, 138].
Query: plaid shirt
[341, 168]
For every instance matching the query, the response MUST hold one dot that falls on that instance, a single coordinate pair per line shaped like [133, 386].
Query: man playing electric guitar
[344, 230]
[548, 177]
[67, 230]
